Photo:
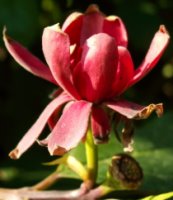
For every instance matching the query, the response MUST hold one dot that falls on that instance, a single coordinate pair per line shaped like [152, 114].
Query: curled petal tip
[159, 109]
[7, 39]
[57, 151]
[92, 8]
[4, 32]
[146, 111]
[42, 143]
[163, 29]
[14, 154]
[112, 18]
[55, 27]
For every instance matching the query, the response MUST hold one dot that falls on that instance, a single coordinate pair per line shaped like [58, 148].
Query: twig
[30, 194]
[47, 182]
[79, 194]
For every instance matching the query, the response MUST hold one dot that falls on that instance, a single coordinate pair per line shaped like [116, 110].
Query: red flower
[88, 58]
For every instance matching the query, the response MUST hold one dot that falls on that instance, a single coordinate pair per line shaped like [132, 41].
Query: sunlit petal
[56, 48]
[70, 128]
[33, 133]
[156, 49]
[134, 111]
[26, 59]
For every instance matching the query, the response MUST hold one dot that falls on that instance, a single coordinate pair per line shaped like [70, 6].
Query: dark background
[23, 96]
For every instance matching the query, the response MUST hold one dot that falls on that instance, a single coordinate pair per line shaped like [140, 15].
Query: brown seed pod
[126, 170]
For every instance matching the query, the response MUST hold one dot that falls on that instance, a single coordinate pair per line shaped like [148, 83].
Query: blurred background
[23, 96]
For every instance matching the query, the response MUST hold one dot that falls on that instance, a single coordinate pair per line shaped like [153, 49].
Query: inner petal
[94, 74]
[124, 72]
[92, 24]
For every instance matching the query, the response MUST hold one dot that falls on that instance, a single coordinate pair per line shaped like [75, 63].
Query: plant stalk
[91, 159]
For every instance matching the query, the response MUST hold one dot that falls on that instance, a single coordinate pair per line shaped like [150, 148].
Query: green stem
[73, 163]
[47, 182]
[91, 158]
[76, 166]
[98, 192]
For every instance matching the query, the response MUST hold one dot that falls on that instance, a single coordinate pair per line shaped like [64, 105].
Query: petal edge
[156, 49]
[56, 49]
[70, 128]
[33, 133]
[28, 61]
[134, 111]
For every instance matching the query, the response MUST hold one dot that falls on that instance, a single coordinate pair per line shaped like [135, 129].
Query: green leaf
[160, 196]
[152, 148]
[21, 18]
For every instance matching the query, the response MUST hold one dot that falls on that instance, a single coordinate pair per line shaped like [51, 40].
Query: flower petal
[85, 25]
[54, 118]
[115, 27]
[135, 111]
[56, 48]
[124, 131]
[26, 59]
[72, 26]
[124, 73]
[92, 24]
[100, 125]
[94, 76]
[70, 128]
[33, 133]
[127, 135]
[157, 47]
